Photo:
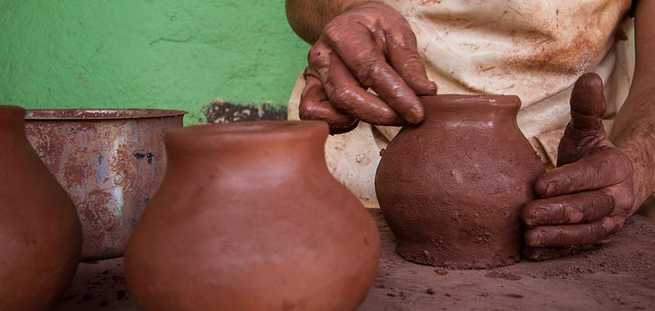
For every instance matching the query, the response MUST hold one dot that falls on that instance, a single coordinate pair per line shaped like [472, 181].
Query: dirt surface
[619, 275]
[616, 276]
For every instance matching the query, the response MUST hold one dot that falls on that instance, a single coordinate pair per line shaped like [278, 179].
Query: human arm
[634, 128]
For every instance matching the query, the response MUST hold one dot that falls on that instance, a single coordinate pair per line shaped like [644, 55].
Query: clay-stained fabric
[533, 49]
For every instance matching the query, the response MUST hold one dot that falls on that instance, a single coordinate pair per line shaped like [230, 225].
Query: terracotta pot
[451, 188]
[40, 235]
[109, 161]
[249, 218]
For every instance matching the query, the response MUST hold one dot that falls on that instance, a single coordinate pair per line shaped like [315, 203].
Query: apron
[533, 49]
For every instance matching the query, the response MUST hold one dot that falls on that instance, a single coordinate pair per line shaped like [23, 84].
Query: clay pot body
[452, 188]
[249, 218]
[40, 234]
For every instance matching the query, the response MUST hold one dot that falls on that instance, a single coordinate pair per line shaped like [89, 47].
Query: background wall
[179, 54]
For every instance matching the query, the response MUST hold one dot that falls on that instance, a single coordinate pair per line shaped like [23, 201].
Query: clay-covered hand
[368, 47]
[590, 194]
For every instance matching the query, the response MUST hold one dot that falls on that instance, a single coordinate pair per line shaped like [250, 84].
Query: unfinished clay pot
[249, 218]
[452, 187]
[40, 234]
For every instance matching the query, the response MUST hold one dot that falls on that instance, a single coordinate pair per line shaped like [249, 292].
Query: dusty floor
[618, 276]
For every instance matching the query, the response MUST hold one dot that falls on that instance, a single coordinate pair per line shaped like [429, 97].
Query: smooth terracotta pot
[249, 218]
[40, 234]
[452, 188]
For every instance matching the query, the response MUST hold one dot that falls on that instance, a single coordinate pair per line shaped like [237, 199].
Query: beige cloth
[533, 49]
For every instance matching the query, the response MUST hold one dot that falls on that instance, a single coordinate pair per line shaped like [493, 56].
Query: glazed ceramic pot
[40, 234]
[109, 161]
[249, 218]
[452, 187]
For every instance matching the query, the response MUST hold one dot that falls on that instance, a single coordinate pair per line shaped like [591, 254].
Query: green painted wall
[146, 53]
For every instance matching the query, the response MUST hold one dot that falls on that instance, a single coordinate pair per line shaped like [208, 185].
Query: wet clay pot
[249, 218]
[452, 187]
[40, 234]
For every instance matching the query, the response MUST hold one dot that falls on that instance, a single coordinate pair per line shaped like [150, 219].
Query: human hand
[590, 194]
[369, 46]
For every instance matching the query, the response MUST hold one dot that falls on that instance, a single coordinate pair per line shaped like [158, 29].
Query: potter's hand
[369, 46]
[590, 195]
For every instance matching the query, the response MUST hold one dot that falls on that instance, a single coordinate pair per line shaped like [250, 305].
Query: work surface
[617, 276]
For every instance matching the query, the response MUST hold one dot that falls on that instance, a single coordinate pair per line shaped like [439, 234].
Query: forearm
[308, 17]
[634, 129]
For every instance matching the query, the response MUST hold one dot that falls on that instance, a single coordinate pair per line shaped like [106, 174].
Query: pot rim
[211, 136]
[99, 114]
[474, 103]
[246, 128]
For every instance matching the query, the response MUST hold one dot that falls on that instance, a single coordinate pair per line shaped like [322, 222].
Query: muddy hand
[368, 47]
[590, 194]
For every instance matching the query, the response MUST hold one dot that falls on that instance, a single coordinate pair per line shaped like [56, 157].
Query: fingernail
[550, 187]
[534, 238]
[416, 115]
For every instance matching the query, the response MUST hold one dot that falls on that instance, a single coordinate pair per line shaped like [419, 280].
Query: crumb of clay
[441, 271]
[514, 296]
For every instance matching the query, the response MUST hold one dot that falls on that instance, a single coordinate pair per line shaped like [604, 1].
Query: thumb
[585, 132]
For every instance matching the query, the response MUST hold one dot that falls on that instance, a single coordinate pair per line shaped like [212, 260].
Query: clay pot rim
[248, 129]
[459, 101]
[99, 114]
[11, 109]
[11, 115]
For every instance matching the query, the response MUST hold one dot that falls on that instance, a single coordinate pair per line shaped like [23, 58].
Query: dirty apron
[533, 49]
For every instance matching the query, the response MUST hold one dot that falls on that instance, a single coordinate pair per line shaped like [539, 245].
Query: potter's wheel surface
[618, 276]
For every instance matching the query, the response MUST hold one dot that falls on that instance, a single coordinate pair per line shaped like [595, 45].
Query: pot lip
[72, 114]
[11, 113]
[496, 100]
[251, 133]
[462, 101]
[247, 128]
[11, 108]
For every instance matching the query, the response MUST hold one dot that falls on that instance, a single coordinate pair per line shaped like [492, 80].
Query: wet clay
[452, 187]
[249, 218]
[40, 234]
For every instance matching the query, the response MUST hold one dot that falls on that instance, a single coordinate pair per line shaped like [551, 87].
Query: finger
[568, 235]
[348, 96]
[314, 106]
[403, 55]
[361, 52]
[601, 169]
[568, 209]
[588, 103]
[549, 253]
[585, 133]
